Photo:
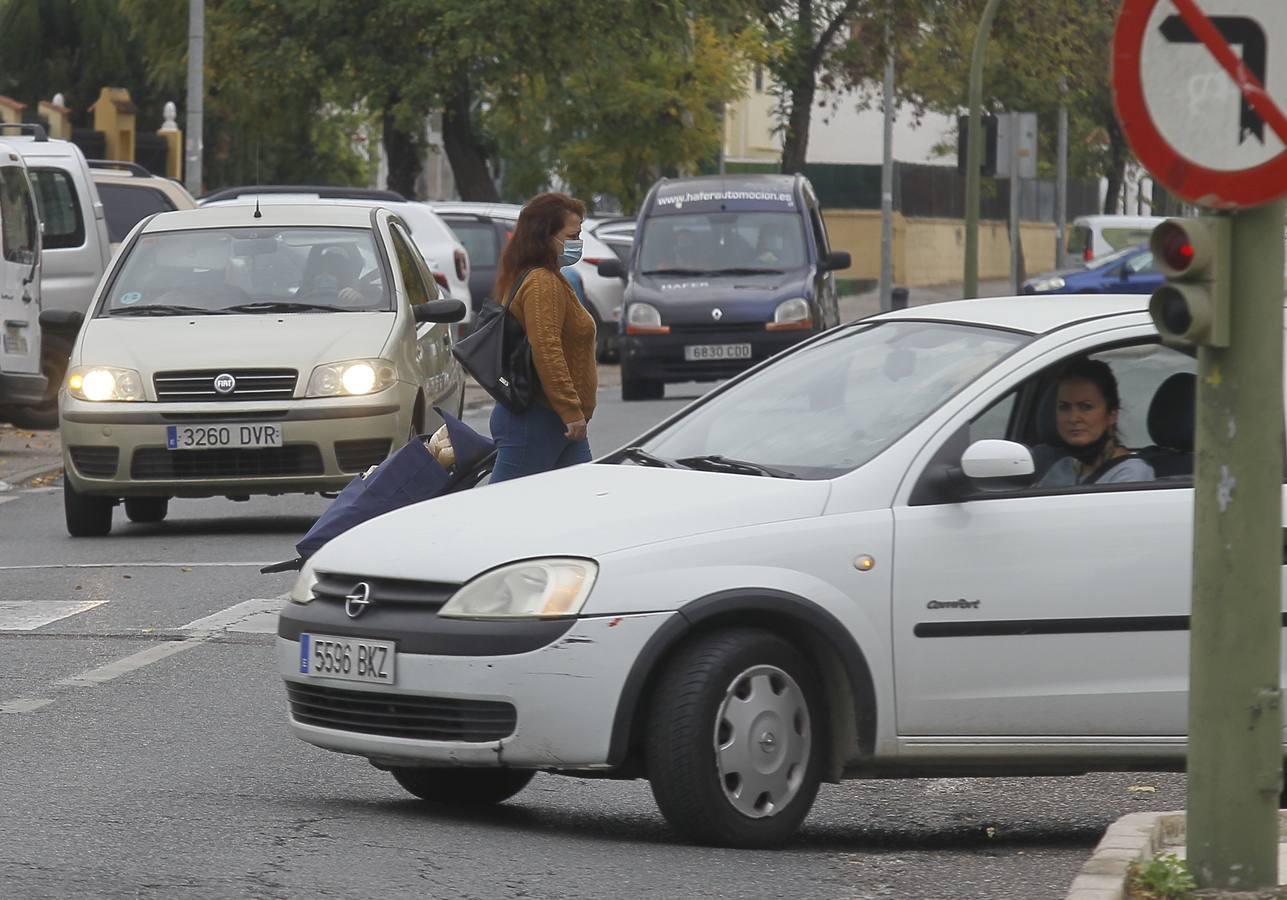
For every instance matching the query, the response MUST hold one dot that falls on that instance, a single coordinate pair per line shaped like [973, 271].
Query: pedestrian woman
[551, 433]
[1087, 404]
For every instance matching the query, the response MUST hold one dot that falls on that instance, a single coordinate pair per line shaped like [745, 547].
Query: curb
[16, 480]
[1141, 836]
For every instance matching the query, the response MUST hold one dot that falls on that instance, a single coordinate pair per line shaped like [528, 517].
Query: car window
[126, 205]
[1141, 263]
[833, 405]
[707, 242]
[479, 239]
[1118, 238]
[994, 423]
[59, 206]
[18, 234]
[412, 278]
[1140, 371]
[282, 269]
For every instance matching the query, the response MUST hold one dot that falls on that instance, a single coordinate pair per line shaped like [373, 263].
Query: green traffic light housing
[1194, 255]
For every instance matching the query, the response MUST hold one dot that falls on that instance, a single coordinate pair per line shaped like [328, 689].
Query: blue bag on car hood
[409, 475]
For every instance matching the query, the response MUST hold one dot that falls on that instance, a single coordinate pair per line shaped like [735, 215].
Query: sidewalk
[28, 458]
[859, 306]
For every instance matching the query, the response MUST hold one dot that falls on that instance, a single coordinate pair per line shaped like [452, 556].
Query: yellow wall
[932, 251]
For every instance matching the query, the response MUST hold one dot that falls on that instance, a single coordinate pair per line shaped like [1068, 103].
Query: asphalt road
[144, 755]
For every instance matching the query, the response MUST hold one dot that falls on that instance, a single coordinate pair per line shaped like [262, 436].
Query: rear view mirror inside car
[254, 247]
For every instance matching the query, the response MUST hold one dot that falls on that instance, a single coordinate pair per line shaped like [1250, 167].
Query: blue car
[1128, 271]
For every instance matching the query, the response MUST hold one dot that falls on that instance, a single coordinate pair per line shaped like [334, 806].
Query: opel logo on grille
[357, 602]
[224, 383]
[717, 314]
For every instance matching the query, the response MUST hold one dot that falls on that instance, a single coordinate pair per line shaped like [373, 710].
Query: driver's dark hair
[529, 246]
[1098, 373]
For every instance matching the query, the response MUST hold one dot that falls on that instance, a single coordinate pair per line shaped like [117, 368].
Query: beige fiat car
[232, 351]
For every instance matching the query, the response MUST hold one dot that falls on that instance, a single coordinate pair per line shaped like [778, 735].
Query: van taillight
[1087, 255]
[462, 264]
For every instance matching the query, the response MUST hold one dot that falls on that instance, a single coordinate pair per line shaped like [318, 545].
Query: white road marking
[22, 706]
[27, 615]
[258, 616]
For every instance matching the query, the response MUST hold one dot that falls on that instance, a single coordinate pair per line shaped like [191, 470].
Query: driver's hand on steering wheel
[351, 296]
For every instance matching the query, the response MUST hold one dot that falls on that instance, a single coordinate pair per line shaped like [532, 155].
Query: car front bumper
[661, 357]
[120, 449]
[558, 701]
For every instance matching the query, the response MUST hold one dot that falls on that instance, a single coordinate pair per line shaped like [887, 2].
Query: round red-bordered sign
[1215, 188]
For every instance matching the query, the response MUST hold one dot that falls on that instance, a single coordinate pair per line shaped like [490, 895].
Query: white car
[448, 261]
[231, 351]
[827, 568]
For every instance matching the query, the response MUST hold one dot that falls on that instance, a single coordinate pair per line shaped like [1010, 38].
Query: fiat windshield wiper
[716, 463]
[640, 455]
[272, 306]
[165, 309]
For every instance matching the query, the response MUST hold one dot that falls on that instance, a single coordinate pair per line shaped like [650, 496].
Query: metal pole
[1061, 181]
[973, 151]
[723, 140]
[887, 182]
[1235, 754]
[1015, 187]
[194, 145]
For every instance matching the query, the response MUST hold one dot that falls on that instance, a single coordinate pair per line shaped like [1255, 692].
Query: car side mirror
[1124, 274]
[67, 321]
[611, 268]
[997, 461]
[837, 259]
[438, 311]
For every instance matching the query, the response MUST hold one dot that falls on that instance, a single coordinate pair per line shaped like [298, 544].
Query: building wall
[932, 251]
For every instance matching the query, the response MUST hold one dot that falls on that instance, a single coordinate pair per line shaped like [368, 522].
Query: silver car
[232, 351]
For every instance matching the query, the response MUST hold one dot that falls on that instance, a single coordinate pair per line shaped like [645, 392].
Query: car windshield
[833, 405]
[708, 243]
[250, 270]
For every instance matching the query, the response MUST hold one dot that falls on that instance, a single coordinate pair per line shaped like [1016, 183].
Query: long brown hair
[542, 217]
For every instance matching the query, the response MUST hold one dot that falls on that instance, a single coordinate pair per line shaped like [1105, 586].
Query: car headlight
[351, 378]
[302, 590]
[644, 315]
[1047, 284]
[792, 312]
[102, 383]
[540, 588]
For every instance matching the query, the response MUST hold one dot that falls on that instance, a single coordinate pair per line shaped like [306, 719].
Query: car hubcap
[762, 740]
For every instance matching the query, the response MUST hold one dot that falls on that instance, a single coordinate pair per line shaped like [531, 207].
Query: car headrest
[1170, 415]
[1047, 430]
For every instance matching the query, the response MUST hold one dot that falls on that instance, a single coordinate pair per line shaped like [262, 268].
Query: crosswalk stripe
[28, 615]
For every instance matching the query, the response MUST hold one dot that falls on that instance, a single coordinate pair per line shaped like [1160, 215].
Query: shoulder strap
[513, 291]
[1108, 466]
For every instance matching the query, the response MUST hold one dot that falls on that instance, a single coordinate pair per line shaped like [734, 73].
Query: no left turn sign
[1201, 92]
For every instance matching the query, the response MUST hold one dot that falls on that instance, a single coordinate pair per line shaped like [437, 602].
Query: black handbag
[498, 356]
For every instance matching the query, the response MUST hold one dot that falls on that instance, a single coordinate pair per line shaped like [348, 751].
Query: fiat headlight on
[102, 383]
[351, 378]
[536, 588]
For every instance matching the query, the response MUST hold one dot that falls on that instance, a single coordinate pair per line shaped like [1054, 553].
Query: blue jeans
[531, 442]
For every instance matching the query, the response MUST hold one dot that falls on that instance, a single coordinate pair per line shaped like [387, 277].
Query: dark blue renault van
[726, 270]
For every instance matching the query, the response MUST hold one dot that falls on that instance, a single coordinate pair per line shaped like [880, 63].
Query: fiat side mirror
[439, 311]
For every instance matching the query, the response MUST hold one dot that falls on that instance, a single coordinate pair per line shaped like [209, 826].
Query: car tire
[736, 738]
[463, 787]
[86, 516]
[634, 388]
[146, 509]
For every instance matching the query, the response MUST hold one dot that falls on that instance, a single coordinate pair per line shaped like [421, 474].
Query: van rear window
[17, 218]
[59, 209]
[1079, 239]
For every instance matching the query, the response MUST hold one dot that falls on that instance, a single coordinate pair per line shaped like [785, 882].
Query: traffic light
[1192, 307]
[988, 164]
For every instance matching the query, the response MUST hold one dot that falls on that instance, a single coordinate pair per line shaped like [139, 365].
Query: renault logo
[224, 383]
[357, 602]
[717, 314]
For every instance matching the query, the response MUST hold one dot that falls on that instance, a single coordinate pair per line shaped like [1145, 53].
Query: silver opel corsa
[237, 351]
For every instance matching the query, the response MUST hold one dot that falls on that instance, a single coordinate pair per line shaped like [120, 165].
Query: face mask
[571, 254]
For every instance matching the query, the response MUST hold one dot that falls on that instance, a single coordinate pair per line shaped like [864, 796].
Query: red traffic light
[1174, 247]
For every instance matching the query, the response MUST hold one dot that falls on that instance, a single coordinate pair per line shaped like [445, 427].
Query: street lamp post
[974, 150]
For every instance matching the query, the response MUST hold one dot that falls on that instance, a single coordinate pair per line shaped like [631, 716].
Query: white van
[1094, 236]
[21, 382]
[76, 247]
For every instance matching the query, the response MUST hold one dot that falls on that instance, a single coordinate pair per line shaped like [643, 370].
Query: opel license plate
[345, 658]
[704, 352]
[206, 437]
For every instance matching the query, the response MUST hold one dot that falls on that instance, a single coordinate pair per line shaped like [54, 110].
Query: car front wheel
[463, 787]
[735, 740]
[86, 516]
